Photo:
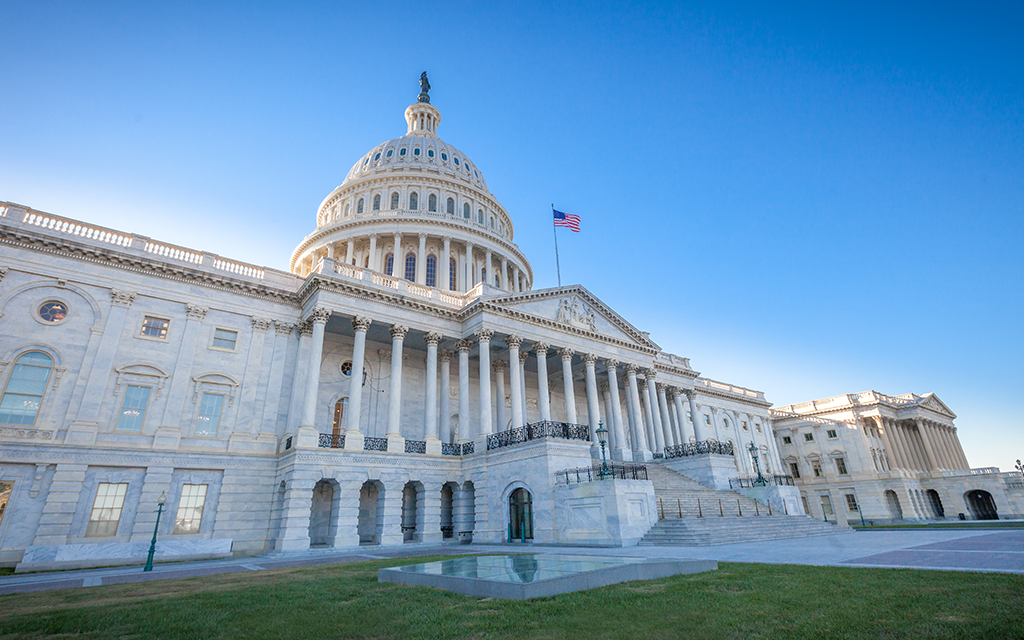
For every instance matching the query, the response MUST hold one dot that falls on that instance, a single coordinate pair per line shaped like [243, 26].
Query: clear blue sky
[807, 200]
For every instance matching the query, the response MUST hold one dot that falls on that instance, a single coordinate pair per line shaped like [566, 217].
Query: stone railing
[537, 431]
[980, 471]
[420, 213]
[764, 481]
[76, 228]
[365, 275]
[601, 472]
[699, 448]
[728, 388]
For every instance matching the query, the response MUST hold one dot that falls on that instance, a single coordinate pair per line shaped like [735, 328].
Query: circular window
[346, 368]
[444, 156]
[430, 152]
[53, 311]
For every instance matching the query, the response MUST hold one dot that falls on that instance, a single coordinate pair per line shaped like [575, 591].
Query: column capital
[523, 355]
[423, 236]
[691, 394]
[513, 342]
[397, 234]
[398, 331]
[361, 323]
[484, 335]
[261, 324]
[604, 386]
[645, 383]
[632, 368]
[650, 374]
[432, 339]
[499, 365]
[319, 315]
[611, 363]
[589, 359]
[283, 328]
[446, 239]
[541, 348]
[566, 353]
[305, 328]
[445, 355]
[463, 346]
[196, 312]
[118, 298]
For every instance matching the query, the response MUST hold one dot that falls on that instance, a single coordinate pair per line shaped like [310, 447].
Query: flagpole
[554, 231]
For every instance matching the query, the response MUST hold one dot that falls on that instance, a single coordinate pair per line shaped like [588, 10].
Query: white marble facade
[137, 366]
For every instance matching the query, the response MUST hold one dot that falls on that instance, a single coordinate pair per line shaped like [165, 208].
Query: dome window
[444, 156]
[365, 162]
[430, 152]
[456, 161]
[452, 269]
[390, 151]
[431, 270]
[402, 151]
[480, 216]
[432, 203]
[465, 210]
[376, 202]
[475, 173]
[376, 157]
[416, 151]
[389, 263]
[410, 266]
[450, 207]
[394, 200]
[414, 201]
[359, 206]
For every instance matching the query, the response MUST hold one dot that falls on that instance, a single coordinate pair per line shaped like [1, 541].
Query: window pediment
[141, 372]
[216, 382]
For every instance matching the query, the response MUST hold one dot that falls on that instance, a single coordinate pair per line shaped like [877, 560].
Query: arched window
[339, 416]
[492, 223]
[497, 280]
[465, 210]
[451, 206]
[389, 263]
[414, 201]
[346, 209]
[25, 388]
[394, 200]
[483, 274]
[431, 270]
[480, 216]
[376, 202]
[432, 203]
[366, 261]
[410, 266]
[359, 206]
[451, 274]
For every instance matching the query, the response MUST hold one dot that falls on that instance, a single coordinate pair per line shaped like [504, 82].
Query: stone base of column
[306, 437]
[293, 544]
[643, 456]
[622, 454]
[396, 443]
[82, 433]
[433, 446]
[354, 440]
[252, 443]
[167, 438]
[480, 443]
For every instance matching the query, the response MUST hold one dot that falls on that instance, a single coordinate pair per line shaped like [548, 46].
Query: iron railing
[659, 456]
[451, 449]
[599, 472]
[699, 448]
[536, 431]
[468, 448]
[774, 481]
[415, 446]
[331, 441]
[375, 444]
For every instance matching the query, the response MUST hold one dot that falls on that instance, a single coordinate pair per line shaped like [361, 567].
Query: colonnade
[921, 445]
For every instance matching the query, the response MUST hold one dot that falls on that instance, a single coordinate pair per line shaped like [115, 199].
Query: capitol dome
[420, 198]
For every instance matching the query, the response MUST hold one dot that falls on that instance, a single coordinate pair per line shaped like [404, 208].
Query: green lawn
[346, 601]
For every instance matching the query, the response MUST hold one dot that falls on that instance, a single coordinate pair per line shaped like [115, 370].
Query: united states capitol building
[403, 383]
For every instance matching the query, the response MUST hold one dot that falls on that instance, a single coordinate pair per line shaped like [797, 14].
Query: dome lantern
[422, 119]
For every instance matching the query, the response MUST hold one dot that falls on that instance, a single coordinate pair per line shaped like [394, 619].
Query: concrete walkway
[945, 549]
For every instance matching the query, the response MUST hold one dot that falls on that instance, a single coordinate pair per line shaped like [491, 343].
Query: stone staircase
[710, 516]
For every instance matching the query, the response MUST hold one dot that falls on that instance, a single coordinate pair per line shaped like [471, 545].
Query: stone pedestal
[354, 440]
[604, 513]
[710, 469]
[785, 499]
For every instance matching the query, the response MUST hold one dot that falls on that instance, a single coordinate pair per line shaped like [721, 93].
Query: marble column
[513, 343]
[445, 356]
[430, 426]
[515, 279]
[397, 264]
[960, 449]
[593, 399]
[463, 347]
[890, 446]
[930, 458]
[353, 434]
[350, 248]
[543, 400]
[621, 451]
[470, 269]
[421, 260]
[685, 430]
[640, 450]
[374, 263]
[499, 367]
[699, 432]
[489, 267]
[906, 446]
[666, 419]
[567, 385]
[282, 335]
[318, 318]
[609, 424]
[445, 267]
[484, 338]
[652, 419]
[394, 433]
[524, 355]
[504, 274]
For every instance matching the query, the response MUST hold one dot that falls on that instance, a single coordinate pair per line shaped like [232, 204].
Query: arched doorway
[448, 491]
[371, 512]
[410, 511]
[465, 512]
[982, 506]
[893, 502]
[936, 504]
[520, 515]
[320, 520]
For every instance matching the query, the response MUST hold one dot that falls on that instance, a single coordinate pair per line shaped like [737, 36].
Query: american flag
[567, 220]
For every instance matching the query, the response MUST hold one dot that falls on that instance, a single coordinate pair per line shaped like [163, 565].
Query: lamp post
[161, 501]
[757, 466]
[602, 437]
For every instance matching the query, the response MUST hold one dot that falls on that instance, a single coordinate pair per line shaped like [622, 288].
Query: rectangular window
[831, 433]
[803, 499]
[759, 428]
[6, 488]
[745, 427]
[808, 437]
[689, 418]
[816, 467]
[841, 466]
[106, 509]
[155, 327]
[190, 508]
[225, 339]
[707, 420]
[133, 408]
[851, 502]
[208, 420]
[826, 505]
[794, 469]
[787, 440]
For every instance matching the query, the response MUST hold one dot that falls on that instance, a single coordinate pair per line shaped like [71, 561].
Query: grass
[346, 601]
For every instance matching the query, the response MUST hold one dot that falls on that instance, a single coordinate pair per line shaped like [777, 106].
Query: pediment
[575, 307]
[931, 401]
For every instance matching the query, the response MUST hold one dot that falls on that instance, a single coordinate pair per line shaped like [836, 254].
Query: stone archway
[981, 504]
[371, 512]
[412, 506]
[520, 515]
[448, 492]
[893, 502]
[936, 503]
[321, 520]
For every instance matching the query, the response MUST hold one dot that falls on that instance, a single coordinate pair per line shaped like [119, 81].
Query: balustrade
[699, 448]
[602, 472]
[538, 430]
[415, 446]
[331, 441]
[753, 481]
[375, 444]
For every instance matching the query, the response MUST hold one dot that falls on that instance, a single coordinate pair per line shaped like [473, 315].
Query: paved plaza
[1000, 550]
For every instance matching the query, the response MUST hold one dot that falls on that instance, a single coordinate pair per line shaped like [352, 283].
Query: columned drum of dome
[405, 179]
